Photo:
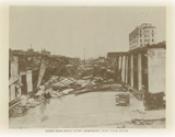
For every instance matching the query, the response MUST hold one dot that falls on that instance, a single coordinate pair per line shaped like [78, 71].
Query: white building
[142, 68]
[142, 35]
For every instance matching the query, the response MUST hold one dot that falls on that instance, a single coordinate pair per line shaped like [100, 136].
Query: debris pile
[88, 79]
[24, 103]
[146, 121]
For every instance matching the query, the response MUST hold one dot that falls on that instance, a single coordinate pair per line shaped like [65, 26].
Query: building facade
[143, 35]
[23, 73]
[117, 61]
[142, 68]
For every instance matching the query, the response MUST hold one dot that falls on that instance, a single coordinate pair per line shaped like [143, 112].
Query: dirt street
[93, 109]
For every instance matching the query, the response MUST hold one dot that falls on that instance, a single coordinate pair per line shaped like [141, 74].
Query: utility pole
[30, 46]
[84, 55]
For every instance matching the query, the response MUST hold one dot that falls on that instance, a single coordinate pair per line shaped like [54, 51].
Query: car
[122, 99]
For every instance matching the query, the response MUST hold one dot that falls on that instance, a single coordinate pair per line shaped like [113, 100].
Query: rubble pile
[88, 79]
[65, 85]
[146, 121]
[24, 103]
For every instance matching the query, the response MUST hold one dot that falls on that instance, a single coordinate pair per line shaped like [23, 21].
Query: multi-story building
[142, 68]
[142, 35]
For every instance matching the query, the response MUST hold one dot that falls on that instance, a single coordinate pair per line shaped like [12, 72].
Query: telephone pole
[84, 55]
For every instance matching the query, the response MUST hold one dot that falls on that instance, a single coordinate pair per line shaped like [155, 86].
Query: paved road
[95, 109]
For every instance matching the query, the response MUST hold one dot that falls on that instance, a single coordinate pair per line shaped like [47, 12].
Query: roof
[158, 45]
[113, 54]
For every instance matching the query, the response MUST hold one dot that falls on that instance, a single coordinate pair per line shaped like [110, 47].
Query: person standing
[46, 100]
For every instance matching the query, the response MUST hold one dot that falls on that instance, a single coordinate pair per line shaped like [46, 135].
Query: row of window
[146, 40]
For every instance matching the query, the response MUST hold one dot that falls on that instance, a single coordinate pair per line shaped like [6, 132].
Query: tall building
[142, 68]
[142, 35]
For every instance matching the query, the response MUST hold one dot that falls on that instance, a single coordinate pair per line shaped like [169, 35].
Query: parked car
[122, 99]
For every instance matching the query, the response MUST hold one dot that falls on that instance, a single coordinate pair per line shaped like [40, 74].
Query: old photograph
[87, 67]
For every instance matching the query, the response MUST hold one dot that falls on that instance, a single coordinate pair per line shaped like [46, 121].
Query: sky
[80, 31]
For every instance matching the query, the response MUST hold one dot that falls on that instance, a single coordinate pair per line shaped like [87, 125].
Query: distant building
[112, 58]
[100, 60]
[116, 61]
[142, 35]
[74, 61]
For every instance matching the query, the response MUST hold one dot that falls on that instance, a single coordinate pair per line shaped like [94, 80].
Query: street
[92, 109]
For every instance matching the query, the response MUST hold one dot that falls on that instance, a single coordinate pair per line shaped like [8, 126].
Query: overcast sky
[69, 30]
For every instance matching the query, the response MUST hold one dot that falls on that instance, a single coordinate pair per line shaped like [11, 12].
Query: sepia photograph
[87, 67]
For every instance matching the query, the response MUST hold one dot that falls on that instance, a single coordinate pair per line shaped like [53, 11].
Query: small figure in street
[145, 97]
[47, 95]
[24, 99]
[46, 100]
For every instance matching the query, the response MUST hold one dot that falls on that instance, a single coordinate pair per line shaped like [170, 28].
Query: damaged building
[23, 72]
[30, 69]
[142, 68]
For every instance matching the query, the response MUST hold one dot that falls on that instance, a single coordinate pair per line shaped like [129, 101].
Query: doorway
[24, 85]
